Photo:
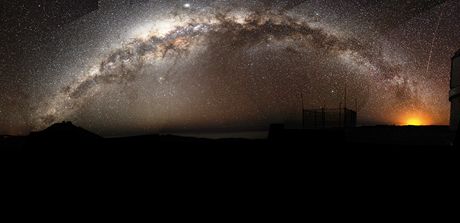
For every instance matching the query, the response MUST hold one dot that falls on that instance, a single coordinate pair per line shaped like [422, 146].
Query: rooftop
[457, 53]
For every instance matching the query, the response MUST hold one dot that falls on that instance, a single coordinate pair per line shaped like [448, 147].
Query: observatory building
[329, 118]
[454, 94]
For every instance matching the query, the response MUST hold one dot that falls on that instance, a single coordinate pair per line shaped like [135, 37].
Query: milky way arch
[236, 30]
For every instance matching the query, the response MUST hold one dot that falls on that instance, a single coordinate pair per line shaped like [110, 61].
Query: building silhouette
[329, 118]
[454, 94]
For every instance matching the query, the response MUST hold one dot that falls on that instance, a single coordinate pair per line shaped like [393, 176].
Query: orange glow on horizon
[415, 119]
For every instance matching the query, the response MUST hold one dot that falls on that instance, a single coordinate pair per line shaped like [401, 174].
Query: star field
[172, 66]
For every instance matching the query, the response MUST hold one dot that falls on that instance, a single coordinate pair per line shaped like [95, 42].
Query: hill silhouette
[65, 130]
[61, 137]
[65, 137]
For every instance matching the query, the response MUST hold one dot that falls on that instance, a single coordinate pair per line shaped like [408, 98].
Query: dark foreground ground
[293, 169]
[67, 138]
[334, 160]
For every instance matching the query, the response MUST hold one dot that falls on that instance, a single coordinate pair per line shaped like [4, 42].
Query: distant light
[414, 122]
[187, 5]
[413, 117]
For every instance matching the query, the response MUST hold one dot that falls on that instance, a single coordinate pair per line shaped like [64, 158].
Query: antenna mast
[356, 105]
[303, 112]
[345, 95]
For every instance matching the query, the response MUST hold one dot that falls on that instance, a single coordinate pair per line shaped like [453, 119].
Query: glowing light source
[414, 121]
[187, 5]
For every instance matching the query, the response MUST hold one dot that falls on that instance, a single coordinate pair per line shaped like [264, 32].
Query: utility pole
[345, 108]
[303, 110]
[340, 112]
[346, 95]
[356, 105]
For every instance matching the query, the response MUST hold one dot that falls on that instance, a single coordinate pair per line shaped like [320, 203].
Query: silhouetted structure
[329, 118]
[61, 137]
[454, 94]
[456, 141]
[65, 138]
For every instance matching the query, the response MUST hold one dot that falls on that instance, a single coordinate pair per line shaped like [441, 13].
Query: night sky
[134, 67]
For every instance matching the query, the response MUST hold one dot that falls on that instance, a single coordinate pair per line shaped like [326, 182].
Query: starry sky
[135, 67]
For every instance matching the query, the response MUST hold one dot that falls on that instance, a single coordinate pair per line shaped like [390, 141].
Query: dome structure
[454, 94]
